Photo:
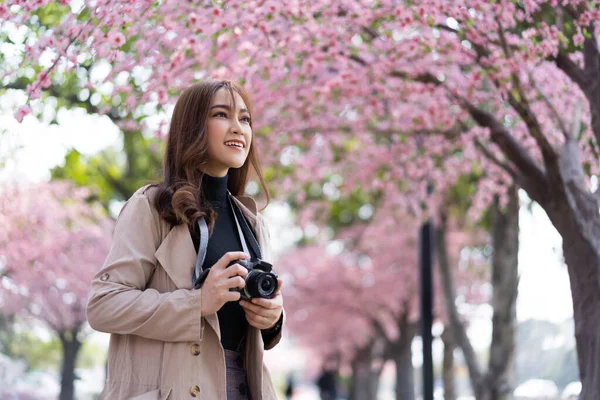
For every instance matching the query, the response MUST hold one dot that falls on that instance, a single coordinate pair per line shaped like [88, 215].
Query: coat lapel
[248, 207]
[177, 256]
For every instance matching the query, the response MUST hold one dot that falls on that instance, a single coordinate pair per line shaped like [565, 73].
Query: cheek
[212, 128]
[214, 133]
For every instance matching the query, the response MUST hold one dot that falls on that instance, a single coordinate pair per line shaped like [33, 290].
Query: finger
[228, 258]
[254, 311]
[254, 308]
[235, 282]
[231, 296]
[257, 320]
[236, 269]
[279, 285]
[271, 304]
[270, 315]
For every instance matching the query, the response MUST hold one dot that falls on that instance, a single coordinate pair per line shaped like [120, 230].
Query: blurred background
[372, 119]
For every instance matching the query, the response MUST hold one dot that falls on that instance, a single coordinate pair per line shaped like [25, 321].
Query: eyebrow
[243, 110]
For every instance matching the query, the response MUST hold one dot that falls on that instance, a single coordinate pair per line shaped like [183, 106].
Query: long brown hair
[179, 199]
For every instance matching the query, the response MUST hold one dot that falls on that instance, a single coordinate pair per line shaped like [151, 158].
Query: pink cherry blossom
[116, 39]
[22, 112]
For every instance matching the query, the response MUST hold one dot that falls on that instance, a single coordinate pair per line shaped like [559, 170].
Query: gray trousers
[237, 384]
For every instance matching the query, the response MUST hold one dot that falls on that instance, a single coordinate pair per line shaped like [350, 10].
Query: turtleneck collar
[214, 188]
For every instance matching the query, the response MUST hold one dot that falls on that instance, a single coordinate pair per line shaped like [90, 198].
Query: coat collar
[177, 254]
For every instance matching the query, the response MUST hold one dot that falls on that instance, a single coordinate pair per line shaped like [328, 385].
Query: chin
[237, 164]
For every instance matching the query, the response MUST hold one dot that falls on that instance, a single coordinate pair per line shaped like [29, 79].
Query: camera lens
[266, 285]
[261, 284]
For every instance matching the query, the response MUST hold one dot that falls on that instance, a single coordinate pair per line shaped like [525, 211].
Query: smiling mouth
[236, 145]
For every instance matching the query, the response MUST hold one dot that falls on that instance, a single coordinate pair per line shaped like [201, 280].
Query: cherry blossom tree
[358, 296]
[496, 381]
[52, 242]
[388, 95]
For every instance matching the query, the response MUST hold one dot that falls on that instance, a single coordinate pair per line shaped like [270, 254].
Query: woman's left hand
[264, 313]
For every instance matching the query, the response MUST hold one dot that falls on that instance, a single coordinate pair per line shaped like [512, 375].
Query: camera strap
[253, 243]
[199, 275]
[240, 232]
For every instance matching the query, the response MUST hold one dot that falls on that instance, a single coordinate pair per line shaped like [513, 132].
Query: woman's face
[229, 133]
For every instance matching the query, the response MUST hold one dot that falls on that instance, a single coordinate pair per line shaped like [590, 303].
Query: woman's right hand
[216, 288]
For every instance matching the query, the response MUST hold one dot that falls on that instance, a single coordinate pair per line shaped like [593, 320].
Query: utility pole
[426, 291]
[426, 261]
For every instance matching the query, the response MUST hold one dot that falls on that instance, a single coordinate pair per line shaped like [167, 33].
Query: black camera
[260, 281]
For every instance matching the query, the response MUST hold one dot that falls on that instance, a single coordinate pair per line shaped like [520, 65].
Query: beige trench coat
[160, 347]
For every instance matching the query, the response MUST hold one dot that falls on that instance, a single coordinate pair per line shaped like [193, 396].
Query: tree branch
[523, 108]
[500, 135]
[572, 70]
[370, 32]
[532, 172]
[449, 134]
[488, 154]
[425, 77]
[591, 59]
[572, 11]
[553, 110]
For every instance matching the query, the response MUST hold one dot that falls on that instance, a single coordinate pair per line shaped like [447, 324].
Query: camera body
[261, 281]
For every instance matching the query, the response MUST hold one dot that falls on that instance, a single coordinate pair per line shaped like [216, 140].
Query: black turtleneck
[225, 238]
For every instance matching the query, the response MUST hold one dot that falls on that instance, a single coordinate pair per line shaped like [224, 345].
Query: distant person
[289, 389]
[169, 290]
[327, 384]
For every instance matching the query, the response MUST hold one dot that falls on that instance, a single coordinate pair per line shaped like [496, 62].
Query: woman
[170, 337]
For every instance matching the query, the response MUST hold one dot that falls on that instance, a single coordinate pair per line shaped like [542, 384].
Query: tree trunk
[405, 374]
[458, 329]
[560, 187]
[583, 263]
[573, 211]
[365, 377]
[505, 281]
[448, 364]
[575, 215]
[71, 346]
[587, 78]
[586, 298]
[495, 384]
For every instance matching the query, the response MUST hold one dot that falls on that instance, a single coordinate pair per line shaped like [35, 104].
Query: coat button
[194, 391]
[195, 349]
[104, 277]
[243, 389]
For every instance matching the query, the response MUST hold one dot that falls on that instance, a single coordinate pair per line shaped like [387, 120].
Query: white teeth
[234, 144]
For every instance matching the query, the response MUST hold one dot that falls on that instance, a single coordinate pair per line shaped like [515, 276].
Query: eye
[220, 114]
[247, 120]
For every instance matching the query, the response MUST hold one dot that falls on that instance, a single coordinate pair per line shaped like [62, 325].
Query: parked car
[571, 391]
[537, 389]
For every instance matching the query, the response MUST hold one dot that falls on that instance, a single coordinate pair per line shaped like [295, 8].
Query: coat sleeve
[272, 337]
[120, 302]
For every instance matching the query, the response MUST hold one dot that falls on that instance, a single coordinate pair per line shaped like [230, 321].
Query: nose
[236, 126]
